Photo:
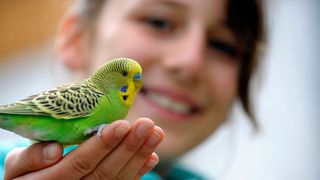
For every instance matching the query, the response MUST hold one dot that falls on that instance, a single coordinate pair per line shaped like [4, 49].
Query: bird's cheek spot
[124, 88]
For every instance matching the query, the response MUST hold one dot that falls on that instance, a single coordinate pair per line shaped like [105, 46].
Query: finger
[133, 166]
[36, 157]
[112, 164]
[85, 158]
[148, 166]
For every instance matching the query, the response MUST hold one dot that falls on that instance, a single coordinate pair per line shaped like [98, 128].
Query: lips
[170, 102]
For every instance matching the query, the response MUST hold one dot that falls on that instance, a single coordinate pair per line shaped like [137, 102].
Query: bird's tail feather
[3, 122]
[2, 118]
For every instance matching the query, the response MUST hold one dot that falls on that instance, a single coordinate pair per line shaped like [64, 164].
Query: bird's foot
[96, 130]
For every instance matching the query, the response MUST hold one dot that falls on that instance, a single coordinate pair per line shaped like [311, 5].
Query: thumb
[38, 156]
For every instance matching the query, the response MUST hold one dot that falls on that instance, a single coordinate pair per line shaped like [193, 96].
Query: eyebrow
[169, 3]
[180, 7]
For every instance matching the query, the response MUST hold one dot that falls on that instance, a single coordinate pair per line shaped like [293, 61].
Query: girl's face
[189, 60]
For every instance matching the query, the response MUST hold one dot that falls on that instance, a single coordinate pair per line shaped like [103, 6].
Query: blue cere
[137, 76]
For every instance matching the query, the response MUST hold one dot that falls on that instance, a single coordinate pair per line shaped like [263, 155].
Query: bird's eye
[124, 73]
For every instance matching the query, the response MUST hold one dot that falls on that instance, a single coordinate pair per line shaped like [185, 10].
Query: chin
[169, 152]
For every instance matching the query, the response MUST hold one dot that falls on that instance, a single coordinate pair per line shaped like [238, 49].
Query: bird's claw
[96, 130]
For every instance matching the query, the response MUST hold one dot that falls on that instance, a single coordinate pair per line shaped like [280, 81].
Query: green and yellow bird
[71, 113]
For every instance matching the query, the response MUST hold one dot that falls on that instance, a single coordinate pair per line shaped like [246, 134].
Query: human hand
[121, 151]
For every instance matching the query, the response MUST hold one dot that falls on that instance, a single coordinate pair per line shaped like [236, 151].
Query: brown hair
[245, 18]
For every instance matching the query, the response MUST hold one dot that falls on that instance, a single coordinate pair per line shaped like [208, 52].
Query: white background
[287, 105]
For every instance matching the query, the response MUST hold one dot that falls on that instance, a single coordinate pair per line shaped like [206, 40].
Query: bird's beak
[137, 78]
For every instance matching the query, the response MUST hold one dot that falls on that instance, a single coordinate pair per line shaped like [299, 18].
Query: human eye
[222, 46]
[159, 23]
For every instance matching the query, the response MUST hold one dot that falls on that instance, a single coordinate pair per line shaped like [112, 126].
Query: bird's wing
[66, 102]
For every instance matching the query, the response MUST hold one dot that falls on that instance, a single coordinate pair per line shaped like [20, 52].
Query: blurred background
[287, 99]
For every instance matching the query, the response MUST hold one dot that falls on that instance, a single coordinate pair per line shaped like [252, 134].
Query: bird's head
[122, 76]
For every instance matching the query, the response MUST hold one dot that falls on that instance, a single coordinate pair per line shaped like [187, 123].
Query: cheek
[131, 44]
[224, 81]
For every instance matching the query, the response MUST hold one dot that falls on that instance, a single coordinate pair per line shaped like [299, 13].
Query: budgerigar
[70, 113]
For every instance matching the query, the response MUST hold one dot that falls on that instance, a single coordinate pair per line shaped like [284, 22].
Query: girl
[197, 59]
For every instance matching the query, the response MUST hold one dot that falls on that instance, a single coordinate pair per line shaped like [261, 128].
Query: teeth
[169, 103]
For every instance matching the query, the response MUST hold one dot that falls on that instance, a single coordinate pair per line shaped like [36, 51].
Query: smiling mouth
[169, 103]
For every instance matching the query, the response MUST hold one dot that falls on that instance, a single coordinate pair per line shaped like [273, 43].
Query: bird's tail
[2, 119]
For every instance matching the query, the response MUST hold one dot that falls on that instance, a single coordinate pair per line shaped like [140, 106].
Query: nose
[187, 54]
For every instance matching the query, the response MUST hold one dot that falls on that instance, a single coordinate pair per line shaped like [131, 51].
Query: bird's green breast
[71, 131]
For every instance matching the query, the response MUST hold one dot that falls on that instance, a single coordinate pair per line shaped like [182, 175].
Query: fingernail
[50, 151]
[154, 138]
[121, 130]
[152, 163]
[142, 130]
